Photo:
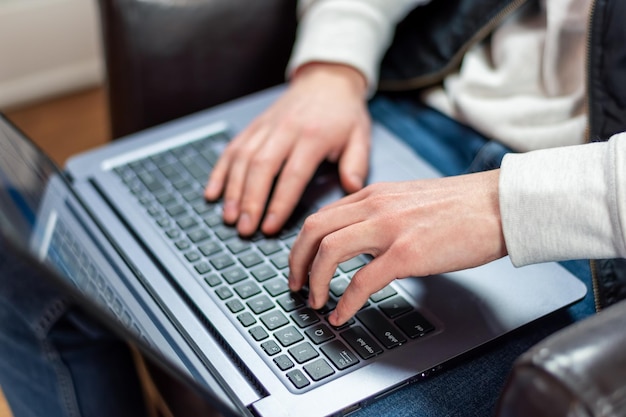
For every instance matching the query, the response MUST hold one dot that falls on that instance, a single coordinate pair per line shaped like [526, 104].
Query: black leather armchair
[165, 59]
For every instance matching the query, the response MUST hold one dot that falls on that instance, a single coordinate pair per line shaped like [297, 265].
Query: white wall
[47, 47]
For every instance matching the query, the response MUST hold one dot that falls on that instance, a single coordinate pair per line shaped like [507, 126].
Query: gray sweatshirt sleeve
[565, 203]
[350, 32]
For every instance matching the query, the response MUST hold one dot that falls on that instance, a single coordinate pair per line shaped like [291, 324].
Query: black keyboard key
[263, 273]
[192, 256]
[361, 342]
[352, 264]
[169, 171]
[173, 233]
[339, 354]
[274, 319]
[250, 259]
[283, 362]
[235, 306]
[202, 267]
[198, 235]
[276, 286]
[395, 307]
[298, 379]
[269, 247]
[280, 261]
[234, 275]
[213, 280]
[202, 207]
[247, 289]
[258, 333]
[224, 292]
[222, 261]
[186, 222]
[260, 304]
[288, 336]
[414, 325]
[176, 210]
[305, 317]
[319, 334]
[270, 347]
[237, 246]
[318, 369]
[166, 199]
[338, 286]
[152, 183]
[209, 248]
[383, 294]
[212, 219]
[183, 245]
[246, 319]
[164, 222]
[303, 352]
[290, 302]
[225, 232]
[381, 328]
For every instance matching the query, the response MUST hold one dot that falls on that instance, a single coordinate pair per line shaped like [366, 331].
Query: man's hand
[412, 228]
[322, 115]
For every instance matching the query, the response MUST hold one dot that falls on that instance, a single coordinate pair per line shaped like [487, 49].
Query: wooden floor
[62, 127]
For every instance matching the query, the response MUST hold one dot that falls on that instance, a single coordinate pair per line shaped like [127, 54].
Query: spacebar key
[381, 328]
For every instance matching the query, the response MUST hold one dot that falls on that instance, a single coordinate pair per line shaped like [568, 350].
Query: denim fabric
[471, 385]
[54, 360]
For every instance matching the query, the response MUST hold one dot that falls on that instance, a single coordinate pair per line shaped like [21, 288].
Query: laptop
[125, 230]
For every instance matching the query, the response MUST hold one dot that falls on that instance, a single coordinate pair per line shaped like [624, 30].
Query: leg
[54, 360]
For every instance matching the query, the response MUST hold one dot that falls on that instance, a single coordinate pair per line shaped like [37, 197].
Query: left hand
[412, 228]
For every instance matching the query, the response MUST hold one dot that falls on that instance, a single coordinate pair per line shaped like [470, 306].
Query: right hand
[322, 116]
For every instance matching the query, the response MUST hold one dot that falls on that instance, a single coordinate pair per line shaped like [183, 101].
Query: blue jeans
[55, 361]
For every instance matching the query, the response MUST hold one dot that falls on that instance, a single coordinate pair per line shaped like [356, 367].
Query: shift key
[381, 328]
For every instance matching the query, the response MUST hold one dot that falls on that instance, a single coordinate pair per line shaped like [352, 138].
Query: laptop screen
[24, 176]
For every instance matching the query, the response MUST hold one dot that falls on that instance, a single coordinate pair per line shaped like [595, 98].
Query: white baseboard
[47, 47]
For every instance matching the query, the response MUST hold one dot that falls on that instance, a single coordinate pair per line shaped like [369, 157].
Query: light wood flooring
[62, 126]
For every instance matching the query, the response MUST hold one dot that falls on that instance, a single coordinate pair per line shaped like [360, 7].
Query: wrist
[327, 72]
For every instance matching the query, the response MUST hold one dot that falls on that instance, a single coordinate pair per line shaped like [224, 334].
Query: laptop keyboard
[248, 277]
[68, 255]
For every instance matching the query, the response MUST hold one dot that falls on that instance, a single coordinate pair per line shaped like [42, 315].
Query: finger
[292, 180]
[238, 169]
[371, 278]
[339, 246]
[262, 171]
[219, 173]
[354, 162]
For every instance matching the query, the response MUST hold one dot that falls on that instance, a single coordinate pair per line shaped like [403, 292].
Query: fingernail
[333, 318]
[229, 210]
[357, 180]
[245, 223]
[270, 223]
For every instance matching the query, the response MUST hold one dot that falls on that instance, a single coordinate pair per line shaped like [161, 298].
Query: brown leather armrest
[578, 371]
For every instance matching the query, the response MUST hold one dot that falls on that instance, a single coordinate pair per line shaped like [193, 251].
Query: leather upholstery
[578, 371]
[168, 58]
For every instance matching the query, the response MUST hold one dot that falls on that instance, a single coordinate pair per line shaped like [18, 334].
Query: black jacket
[432, 40]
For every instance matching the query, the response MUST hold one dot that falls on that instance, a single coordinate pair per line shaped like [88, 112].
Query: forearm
[565, 203]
